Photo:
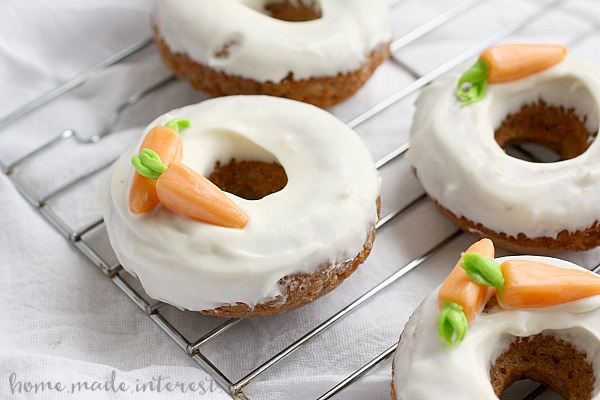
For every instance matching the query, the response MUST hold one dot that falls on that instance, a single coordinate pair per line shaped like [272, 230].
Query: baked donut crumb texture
[293, 11]
[546, 359]
[322, 92]
[251, 180]
[573, 241]
[557, 128]
[299, 289]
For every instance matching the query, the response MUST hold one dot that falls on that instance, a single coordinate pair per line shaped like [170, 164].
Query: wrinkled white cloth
[67, 332]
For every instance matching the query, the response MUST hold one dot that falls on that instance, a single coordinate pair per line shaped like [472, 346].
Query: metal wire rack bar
[358, 373]
[74, 82]
[195, 347]
[343, 312]
[153, 310]
[432, 24]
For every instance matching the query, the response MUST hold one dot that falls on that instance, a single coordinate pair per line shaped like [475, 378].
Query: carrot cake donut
[317, 51]
[514, 94]
[516, 318]
[290, 215]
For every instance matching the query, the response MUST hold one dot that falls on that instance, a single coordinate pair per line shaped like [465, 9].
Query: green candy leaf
[482, 270]
[148, 164]
[473, 83]
[141, 169]
[452, 324]
[150, 159]
[178, 124]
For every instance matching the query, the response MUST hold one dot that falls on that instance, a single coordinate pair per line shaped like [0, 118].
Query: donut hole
[294, 11]
[234, 163]
[543, 133]
[251, 180]
[288, 10]
[552, 120]
[546, 359]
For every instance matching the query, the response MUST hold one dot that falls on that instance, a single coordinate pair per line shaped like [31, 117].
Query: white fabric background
[61, 320]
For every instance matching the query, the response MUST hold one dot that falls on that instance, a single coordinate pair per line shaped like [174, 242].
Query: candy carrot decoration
[459, 288]
[460, 299]
[188, 193]
[529, 284]
[515, 61]
[506, 63]
[166, 142]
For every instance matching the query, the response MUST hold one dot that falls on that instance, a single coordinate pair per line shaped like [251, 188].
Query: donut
[551, 339]
[457, 151]
[306, 188]
[320, 52]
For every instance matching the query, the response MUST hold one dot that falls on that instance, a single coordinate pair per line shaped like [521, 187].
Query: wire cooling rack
[89, 236]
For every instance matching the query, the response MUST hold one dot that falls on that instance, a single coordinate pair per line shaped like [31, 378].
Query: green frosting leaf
[178, 124]
[148, 164]
[452, 323]
[482, 270]
[473, 83]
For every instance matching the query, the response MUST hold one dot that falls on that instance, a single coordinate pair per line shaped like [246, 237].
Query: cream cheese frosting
[462, 167]
[322, 216]
[263, 48]
[426, 368]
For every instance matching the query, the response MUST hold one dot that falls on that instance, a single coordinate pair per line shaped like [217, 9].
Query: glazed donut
[320, 52]
[555, 345]
[306, 183]
[457, 154]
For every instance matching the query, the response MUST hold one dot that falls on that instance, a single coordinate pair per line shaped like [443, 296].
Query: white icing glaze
[322, 216]
[461, 166]
[267, 49]
[426, 368]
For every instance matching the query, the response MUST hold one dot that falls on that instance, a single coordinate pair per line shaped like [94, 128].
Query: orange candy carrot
[188, 193]
[506, 63]
[460, 299]
[529, 284]
[166, 142]
[459, 289]
[515, 61]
